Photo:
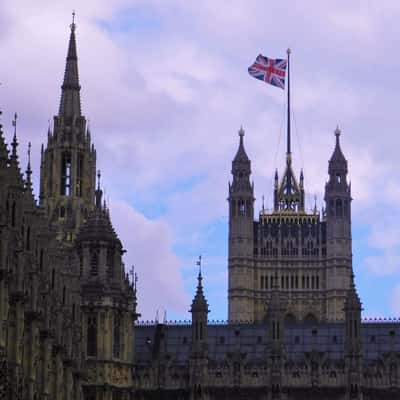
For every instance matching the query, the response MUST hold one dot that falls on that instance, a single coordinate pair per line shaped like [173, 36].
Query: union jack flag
[269, 70]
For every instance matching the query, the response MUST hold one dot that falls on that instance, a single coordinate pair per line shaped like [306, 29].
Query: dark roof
[252, 341]
[98, 226]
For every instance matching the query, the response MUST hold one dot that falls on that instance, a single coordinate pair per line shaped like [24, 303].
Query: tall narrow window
[339, 208]
[262, 282]
[79, 175]
[94, 264]
[13, 214]
[242, 207]
[92, 336]
[41, 256]
[117, 336]
[28, 238]
[80, 264]
[66, 174]
[53, 278]
[63, 296]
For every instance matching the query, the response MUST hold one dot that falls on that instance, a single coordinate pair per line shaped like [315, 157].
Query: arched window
[66, 174]
[339, 208]
[79, 175]
[242, 207]
[91, 347]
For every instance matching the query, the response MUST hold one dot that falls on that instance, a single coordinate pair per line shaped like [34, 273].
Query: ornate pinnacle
[73, 26]
[28, 169]
[14, 145]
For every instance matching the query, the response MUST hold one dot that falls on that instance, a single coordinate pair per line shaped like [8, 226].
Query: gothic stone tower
[108, 306]
[338, 232]
[308, 253]
[241, 217]
[68, 164]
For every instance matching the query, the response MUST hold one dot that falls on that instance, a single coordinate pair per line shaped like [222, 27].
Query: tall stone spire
[70, 104]
[68, 164]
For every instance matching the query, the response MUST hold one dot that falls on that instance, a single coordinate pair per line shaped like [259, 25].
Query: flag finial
[288, 51]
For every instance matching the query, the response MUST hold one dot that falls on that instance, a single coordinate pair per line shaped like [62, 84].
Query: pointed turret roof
[337, 160]
[98, 225]
[199, 303]
[70, 104]
[3, 146]
[241, 155]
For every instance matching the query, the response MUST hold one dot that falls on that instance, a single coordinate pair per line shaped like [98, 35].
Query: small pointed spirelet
[98, 193]
[198, 263]
[28, 169]
[3, 145]
[14, 145]
[337, 133]
[241, 133]
[73, 20]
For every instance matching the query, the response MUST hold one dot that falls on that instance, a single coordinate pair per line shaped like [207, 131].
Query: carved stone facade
[308, 252]
[68, 309]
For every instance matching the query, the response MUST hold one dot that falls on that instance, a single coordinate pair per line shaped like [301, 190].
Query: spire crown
[98, 192]
[199, 303]
[14, 144]
[338, 162]
[70, 104]
[29, 170]
[241, 155]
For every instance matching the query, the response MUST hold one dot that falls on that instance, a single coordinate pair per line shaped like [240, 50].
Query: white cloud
[165, 108]
[149, 245]
[385, 264]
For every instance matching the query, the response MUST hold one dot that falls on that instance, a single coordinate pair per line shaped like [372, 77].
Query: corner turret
[338, 231]
[241, 220]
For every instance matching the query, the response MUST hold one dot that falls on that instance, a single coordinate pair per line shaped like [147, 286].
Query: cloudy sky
[166, 89]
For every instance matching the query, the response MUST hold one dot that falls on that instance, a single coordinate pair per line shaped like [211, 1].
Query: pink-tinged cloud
[149, 245]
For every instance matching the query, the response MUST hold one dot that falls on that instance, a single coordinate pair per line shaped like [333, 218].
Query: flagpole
[288, 153]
